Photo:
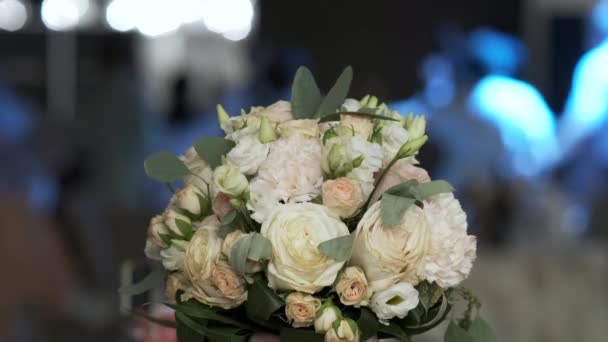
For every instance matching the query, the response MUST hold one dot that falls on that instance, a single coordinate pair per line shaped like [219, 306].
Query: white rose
[326, 317]
[300, 309]
[452, 252]
[188, 198]
[396, 301]
[293, 169]
[388, 255]
[170, 218]
[344, 330]
[278, 112]
[342, 196]
[295, 231]
[262, 199]
[156, 230]
[351, 105]
[401, 172]
[227, 178]
[352, 287]
[173, 257]
[248, 155]
[307, 128]
[393, 137]
[202, 172]
[355, 125]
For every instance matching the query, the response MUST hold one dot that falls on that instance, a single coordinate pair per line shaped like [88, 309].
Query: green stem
[384, 172]
[245, 213]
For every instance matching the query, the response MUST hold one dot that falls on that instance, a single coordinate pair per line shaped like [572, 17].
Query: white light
[231, 18]
[158, 17]
[60, 15]
[121, 14]
[190, 10]
[13, 15]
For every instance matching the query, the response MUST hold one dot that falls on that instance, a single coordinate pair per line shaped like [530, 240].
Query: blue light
[498, 52]
[599, 16]
[525, 122]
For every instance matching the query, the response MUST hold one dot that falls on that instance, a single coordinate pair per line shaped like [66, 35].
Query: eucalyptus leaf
[240, 253]
[368, 324]
[403, 189]
[154, 279]
[165, 167]
[260, 249]
[212, 149]
[337, 94]
[262, 301]
[423, 191]
[228, 224]
[339, 248]
[393, 207]
[299, 335]
[338, 116]
[305, 94]
[481, 331]
[454, 333]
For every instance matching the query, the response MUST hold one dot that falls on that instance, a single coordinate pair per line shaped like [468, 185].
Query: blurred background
[515, 92]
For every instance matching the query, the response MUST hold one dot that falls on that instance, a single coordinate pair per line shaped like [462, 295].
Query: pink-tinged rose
[342, 196]
[228, 283]
[301, 308]
[402, 171]
[352, 287]
[221, 204]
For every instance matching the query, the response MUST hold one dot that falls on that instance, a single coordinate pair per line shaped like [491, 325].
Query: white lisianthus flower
[452, 252]
[199, 167]
[173, 257]
[307, 128]
[295, 230]
[343, 330]
[293, 169]
[262, 199]
[278, 112]
[401, 172]
[389, 255]
[351, 105]
[301, 308]
[188, 198]
[396, 301]
[229, 179]
[248, 155]
[393, 137]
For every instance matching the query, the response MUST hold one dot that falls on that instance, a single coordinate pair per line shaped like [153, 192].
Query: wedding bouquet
[311, 220]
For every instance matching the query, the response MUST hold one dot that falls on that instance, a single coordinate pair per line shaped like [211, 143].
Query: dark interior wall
[383, 40]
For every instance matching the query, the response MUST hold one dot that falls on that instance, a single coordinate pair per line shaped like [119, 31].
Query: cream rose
[388, 255]
[229, 179]
[352, 287]
[401, 172]
[248, 155]
[301, 309]
[307, 128]
[156, 229]
[355, 125]
[202, 254]
[228, 283]
[396, 301]
[188, 198]
[344, 330]
[295, 230]
[342, 196]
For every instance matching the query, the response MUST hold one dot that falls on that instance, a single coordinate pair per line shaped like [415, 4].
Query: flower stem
[384, 172]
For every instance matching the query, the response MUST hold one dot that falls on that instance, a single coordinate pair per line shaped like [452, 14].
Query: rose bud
[326, 315]
[301, 309]
[344, 330]
[188, 198]
[352, 287]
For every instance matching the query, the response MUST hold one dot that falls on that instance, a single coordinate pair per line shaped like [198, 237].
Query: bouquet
[312, 220]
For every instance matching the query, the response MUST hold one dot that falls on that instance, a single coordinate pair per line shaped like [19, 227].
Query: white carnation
[248, 154]
[396, 301]
[262, 199]
[452, 252]
[293, 169]
[393, 137]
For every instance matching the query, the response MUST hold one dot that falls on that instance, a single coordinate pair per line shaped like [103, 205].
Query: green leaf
[481, 331]
[423, 191]
[212, 149]
[185, 228]
[262, 301]
[187, 334]
[305, 94]
[339, 248]
[337, 94]
[403, 189]
[195, 309]
[393, 207]
[165, 167]
[394, 330]
[368, 324]
[425, 322]
[299, 335]
[154, 279]
[454, 333]
[367, 110]
[260, 249]
[215, 333]
[428, 294]
[338, 116]
[228, 224]
[239, 254]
